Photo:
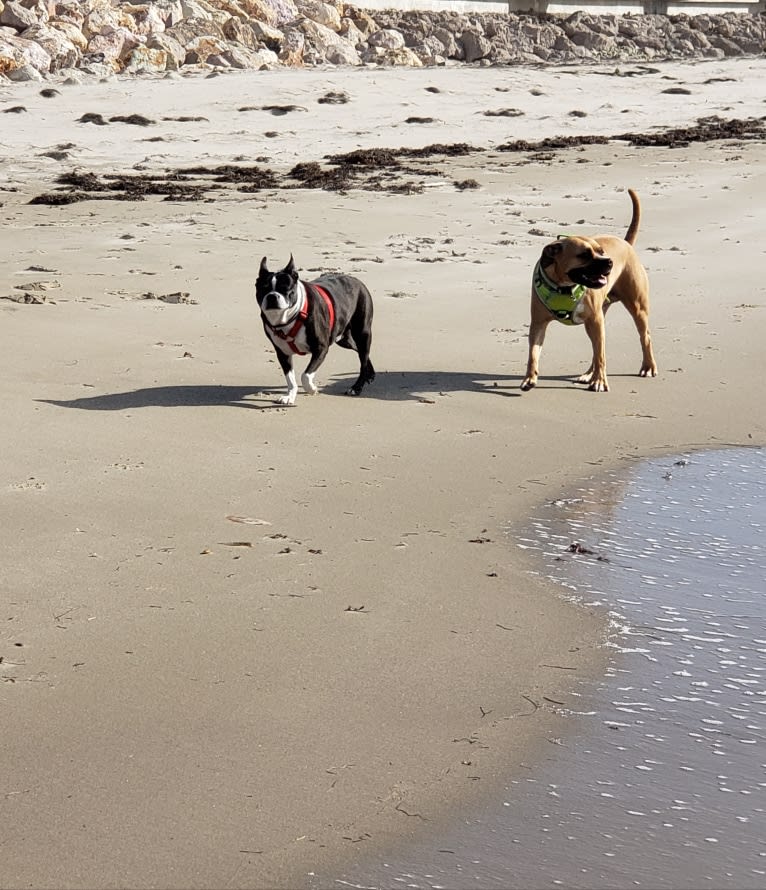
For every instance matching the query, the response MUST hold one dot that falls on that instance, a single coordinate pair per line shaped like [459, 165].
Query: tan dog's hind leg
[537, 328]
[640, 315]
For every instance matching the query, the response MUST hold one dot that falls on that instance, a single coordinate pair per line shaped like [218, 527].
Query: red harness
[289, 336]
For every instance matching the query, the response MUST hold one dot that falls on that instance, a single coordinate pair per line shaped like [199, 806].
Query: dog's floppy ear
[550, 252]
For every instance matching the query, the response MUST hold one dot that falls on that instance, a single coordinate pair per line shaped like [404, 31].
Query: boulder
[293, 47]
[318, 39]
[241, 57]
[350, 32]
[387, 38]
[99, 20]
[107, 48]
[70, 11]
[146, 19]
[14, 15]
[63, 53]
[730, 47]
[189, 29]
[192, 9]
[242, 32]
[363, 20]
[430, 51]
[269, 36]
[343, 53]
[322, 13]
[175, 54]
[145, 58]
[15, 53]
[400, 58]
[475, 46]
[24, 73]
[72, 33]
[199, 49]
[449, 42]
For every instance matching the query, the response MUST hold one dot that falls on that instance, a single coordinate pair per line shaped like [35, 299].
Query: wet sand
[241, 642]
[664, 752]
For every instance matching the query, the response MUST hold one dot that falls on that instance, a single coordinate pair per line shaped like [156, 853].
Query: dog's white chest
[290, 345]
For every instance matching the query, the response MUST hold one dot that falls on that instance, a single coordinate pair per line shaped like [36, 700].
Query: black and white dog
[302, 317]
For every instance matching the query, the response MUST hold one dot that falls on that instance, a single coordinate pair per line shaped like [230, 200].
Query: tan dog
[575, 281]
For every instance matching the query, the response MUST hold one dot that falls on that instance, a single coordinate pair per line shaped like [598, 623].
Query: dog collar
[559, 300]
[296, 325]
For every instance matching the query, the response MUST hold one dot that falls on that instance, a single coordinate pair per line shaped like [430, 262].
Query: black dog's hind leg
[358, 336]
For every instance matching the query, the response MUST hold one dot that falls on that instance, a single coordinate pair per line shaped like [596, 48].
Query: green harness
[560, 301]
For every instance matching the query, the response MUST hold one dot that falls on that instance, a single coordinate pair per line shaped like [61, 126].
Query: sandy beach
[242, 642]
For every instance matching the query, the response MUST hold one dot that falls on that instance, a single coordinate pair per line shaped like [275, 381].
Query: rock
[387, 38]
[475, 46]
[145, 58]
[175, 54]
[102, 19]
[72, 33]
[293, 47]
[191, 9]
[200, 49]
[15, 53]
[105, 48]
[147, 19]
[70, 11]
[729, 47]
[63, 53]
[402, 57]
[430, 51]
[272, 12]
[240, 57]
[242, 32]
[351, 32]
[318, 39]
[270, 37]
[189, 29]
[322, 13]
[362, 20]
[24, 73]
[449, 42]
[14, 15]
[343, 54]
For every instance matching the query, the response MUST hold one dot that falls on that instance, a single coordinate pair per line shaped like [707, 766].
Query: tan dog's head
[576, 260]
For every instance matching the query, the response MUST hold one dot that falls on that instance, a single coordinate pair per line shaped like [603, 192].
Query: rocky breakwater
[80, 38]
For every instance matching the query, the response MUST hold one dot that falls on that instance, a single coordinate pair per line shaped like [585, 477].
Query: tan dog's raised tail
[575, 281]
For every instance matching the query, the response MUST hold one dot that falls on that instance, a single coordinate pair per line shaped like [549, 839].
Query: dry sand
[241, 641]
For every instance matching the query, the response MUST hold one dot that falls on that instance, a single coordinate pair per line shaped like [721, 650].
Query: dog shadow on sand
[388, 386]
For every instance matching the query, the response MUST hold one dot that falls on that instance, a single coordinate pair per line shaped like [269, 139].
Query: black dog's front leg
[307, 377]
[286, 363]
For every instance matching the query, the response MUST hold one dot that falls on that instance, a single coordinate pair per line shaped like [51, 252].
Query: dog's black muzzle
[595, 274]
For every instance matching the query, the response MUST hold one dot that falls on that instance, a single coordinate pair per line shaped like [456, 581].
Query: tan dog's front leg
[595, 376]
[537, 328]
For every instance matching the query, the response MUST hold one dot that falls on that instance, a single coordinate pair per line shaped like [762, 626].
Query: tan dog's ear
[550, 252]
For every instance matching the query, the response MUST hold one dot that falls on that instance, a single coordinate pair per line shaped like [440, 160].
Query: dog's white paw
[288, 401]
[307, 381]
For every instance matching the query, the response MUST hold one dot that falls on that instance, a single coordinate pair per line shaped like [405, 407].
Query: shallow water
[664, 782]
